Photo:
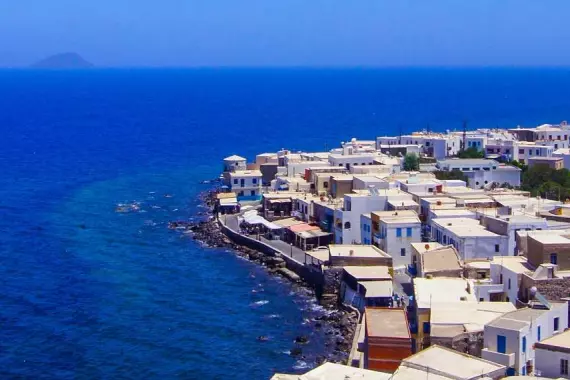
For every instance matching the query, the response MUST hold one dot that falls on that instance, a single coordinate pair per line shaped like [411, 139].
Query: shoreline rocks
[337, 325]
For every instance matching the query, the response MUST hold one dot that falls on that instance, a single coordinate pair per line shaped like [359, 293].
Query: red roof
[303, 227]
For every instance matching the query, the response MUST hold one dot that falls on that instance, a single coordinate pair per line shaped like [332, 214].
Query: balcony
[508, 360]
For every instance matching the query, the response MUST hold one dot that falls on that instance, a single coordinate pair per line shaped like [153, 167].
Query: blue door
[501, 344]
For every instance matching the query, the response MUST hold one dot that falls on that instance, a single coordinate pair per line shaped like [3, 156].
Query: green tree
[411, 162]
[471, 152]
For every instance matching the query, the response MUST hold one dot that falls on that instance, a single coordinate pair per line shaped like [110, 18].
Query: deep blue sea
[89, 293]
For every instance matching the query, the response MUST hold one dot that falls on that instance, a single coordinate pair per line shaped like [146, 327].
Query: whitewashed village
[454, 268]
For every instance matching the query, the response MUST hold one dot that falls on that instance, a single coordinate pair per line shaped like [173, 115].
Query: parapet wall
[309, 274]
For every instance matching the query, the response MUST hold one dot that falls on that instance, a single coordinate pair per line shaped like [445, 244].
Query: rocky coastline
[338, 324]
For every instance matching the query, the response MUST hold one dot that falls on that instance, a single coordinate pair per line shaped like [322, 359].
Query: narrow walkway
[231, 221]
[287, 249]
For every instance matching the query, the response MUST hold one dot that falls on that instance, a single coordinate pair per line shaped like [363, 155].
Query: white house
[434, 145]
[510, 339]
[508, 225]
[396, 235]
[527, 150]
[363, 182]
[508, 271]
[366, 229]
[565, 154]
[233, 163]
[469, 237]
[552, 356]
[347, 220]
[349, 160]
[481, 172]
[246, 184]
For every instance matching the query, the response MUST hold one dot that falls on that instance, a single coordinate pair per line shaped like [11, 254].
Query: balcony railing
[508, 360]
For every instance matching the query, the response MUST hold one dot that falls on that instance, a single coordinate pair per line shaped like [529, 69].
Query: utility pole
[464, 144]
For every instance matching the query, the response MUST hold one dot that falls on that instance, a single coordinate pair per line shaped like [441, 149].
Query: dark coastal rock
[296, 351]
[336, 325]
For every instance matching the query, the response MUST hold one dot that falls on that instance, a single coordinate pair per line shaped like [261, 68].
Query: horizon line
[289, 67]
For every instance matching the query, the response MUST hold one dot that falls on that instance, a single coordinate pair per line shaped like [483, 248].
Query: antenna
[464, 135]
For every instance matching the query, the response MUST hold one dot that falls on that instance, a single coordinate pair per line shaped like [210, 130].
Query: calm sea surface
[89, 293]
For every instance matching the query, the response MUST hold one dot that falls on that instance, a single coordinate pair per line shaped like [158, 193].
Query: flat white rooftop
[363, 273]
[516, 264]
[464, 227]
[560, 341]
[450, 363]
[429, 290]
[550, 239]
[349, 250]
[246, 173]
[453, 212]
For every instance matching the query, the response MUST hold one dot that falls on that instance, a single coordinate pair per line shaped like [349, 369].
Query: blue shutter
[409, 232]
[524, 344]
[502, 344]
[398, 232]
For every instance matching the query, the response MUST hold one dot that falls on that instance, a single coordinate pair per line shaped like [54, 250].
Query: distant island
[63, 61]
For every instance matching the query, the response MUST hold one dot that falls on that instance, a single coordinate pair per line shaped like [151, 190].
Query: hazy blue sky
[287, 32]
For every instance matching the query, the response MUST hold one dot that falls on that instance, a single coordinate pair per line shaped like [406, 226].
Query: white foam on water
[260, 303]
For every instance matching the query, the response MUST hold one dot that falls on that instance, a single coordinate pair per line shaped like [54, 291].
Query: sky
[377, 33]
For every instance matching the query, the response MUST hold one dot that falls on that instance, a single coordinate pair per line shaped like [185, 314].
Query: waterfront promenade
[297, 254]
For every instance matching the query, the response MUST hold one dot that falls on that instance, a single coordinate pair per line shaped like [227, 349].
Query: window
[558, 137]
[398, 232]
[426, 328]
[501, 344]
[507, 151]
[550, 137]
[347, 225]
[496, 247]
[521, 151]
[501, 278]
[481, 299]
[555, 146]
[530, 152]
[252, 193]
[538, 152]
[564, 366]
[524, 344]
[403, 252]
[408, 232]
[444, 239]
[242, 182]
[235, 181]
[556, 324]
[554, 258]
[254, 181]
[538, 333]
[326, 185]
[509, 286]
